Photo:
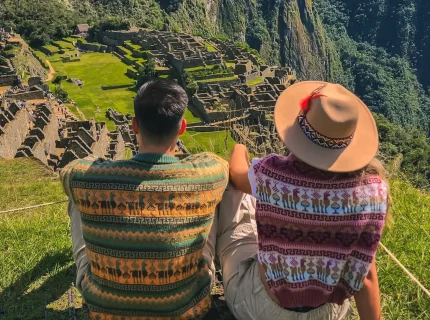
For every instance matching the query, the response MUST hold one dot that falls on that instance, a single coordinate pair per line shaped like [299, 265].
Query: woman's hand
[239, 167]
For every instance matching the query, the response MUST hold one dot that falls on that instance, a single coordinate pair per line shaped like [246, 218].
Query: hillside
[337, 40]
[382, 50]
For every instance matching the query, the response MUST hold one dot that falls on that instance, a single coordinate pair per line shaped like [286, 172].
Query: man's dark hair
[159, 107]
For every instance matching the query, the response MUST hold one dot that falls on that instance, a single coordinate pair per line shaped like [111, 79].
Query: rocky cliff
[284, 32]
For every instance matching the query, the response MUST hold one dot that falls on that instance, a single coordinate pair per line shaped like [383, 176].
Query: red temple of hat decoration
[312, 134]
[305, 105]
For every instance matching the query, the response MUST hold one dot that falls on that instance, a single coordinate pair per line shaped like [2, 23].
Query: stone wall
[41, 144]
[120, 148]
[117, 38]
[214, 76]
[132, 73]
[28, 95]
[204, 85]
[13, 134]
[95, 47]
[205, 128]
[99, 148]
[250, 76]
[8, 80]
[266, 71]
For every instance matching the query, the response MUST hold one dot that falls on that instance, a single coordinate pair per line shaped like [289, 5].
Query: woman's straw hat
[326, 126]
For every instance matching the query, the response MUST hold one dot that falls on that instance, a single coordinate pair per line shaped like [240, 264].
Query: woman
[320, 211]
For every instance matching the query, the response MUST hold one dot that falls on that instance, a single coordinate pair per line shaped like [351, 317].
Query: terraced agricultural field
[96, 70]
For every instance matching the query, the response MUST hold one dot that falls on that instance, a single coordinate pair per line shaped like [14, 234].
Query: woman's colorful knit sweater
[145, 222]
[317, 235]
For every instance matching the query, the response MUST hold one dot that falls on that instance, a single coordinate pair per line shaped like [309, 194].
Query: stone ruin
[259, 98]
[40, 139]
[220, 103]
[75, 81]
[169, 50]
[24, 93]
[15, 121]
[49, 132]
[5, 33]
[125, 131]
[117, 117]
[8, 74]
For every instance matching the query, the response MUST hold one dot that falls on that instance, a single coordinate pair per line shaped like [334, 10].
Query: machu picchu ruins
[228, 85]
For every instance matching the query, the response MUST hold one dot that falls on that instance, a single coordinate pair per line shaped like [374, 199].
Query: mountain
[384, 47]
[402, 27]
[377, 48]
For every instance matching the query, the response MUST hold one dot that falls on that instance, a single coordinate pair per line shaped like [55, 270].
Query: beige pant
[237, 250]
[81, 259]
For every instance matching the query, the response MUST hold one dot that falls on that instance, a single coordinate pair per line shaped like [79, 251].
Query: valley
[66, 92]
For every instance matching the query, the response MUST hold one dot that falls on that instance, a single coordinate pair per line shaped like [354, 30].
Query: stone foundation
[13, 134]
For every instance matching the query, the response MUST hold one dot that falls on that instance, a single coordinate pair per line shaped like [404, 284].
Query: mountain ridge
[320, 39]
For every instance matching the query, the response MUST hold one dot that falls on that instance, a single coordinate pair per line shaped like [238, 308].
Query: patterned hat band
[319, 138]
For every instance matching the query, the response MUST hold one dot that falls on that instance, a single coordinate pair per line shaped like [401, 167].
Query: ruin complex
[232, 91]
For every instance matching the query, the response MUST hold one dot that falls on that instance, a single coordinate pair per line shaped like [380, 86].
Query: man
[140, 227]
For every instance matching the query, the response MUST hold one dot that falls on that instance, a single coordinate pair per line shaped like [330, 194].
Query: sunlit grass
[35, 245]
[96, 70]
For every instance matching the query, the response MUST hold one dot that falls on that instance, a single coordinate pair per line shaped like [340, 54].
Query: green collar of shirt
[155, 158]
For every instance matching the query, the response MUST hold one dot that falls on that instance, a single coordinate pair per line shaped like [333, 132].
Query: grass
[256, 81]
[40, 55]
[36, 258]
[124, 49]
[199, 68]
[97, 69]
[13, 49]
[128, 154]
[409, 241]
[210, 47]
[134, 46]
[190, 118]
[52, 49]
[70, 40]
[35, 246]
[209, 141]
[218, 79]
[65, 45]
[230, 64]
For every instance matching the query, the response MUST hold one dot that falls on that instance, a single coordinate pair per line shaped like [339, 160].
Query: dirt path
[51, 71]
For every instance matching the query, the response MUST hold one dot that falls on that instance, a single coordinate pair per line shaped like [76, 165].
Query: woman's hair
[375, 167]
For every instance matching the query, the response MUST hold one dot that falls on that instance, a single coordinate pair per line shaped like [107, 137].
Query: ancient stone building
[40, 140]
[15, 121]
[24, 93]
[79, 139]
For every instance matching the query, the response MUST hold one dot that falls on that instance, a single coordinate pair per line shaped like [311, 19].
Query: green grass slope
[36, 257]
[35, 246]
[96, 70]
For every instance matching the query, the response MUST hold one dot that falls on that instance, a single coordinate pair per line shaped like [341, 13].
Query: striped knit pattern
[317, 235]
[145, 222]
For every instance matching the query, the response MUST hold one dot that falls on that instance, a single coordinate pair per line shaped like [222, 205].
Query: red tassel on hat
[306, 102]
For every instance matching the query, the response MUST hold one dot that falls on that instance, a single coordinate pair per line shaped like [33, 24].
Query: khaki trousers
[237, 250]
[81, 259]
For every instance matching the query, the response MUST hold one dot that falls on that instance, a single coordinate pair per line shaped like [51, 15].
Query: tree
[147, 73]
[61, 94]
[109, 23]
[57, 80]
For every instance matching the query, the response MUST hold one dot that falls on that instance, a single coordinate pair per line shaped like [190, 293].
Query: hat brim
[357, 155]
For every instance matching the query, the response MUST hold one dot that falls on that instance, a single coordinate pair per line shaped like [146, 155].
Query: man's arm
[78, 165]
[368, 299]
[239, 167]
